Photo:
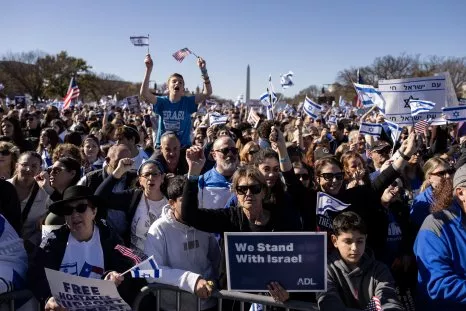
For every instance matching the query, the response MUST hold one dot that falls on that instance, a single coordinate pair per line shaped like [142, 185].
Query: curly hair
[68, 149]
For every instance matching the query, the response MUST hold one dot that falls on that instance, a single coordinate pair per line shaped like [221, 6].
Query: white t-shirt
[143, 218]
[139, 159]
[85, 259]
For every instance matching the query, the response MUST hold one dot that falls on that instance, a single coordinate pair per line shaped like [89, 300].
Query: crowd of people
[93, 190]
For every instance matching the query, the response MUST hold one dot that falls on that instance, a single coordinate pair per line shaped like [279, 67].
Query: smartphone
[147, 122]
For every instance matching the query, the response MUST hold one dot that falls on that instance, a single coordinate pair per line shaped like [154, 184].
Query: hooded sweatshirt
[184, 254]
[353, 289]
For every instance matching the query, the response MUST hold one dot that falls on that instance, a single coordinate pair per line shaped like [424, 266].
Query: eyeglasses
[5, 152]
[331, 176]
[443, 173]
[148, 174]
[68, 209]
[253, 189]
[303, 176]
[227, 150]
[252, 151]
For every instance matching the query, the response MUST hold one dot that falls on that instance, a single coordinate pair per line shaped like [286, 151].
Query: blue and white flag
[455, 114]
[311, 109]
[327, 203]
[286, 80]
[140, 40]
[239, 100]
[418, 106]
[146, 269]
[332, 120]
[370, 96]
[217, 119]
[372, 129]
[395, 131]
[256, 307]
[268, 99]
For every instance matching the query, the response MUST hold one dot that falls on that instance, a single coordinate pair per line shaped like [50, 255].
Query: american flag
[374, 305]
[181, 54]
[128, 253]
[421, 126]
[73, 93]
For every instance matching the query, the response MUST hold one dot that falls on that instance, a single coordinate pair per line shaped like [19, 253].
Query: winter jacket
[184, 254]
[440, 250]
[420, 208]
[353, 289]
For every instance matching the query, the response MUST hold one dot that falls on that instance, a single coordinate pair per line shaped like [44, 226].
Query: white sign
[398, 92]
[79, 294]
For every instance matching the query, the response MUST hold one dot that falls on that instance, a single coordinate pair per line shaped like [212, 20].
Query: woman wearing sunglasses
[9, 154]
[83, 246]
[438, 177]
[134, 210]
[247, 152]
[251, 213]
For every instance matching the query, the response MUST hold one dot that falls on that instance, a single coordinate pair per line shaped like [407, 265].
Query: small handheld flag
[217, 119]
[395, 131]
[327, 203]
[421, 126]
[418, 106]
[286, 80]
[311, 109]
[144, 274]
[374, 305]
[370, 96]
[140, 41]
[455, 114]
[145, 269]
[372, 129]
[180, 55]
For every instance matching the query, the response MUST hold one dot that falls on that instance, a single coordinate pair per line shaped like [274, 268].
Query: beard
[443, 195]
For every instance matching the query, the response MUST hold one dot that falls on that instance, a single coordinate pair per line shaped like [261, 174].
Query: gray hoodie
[353, 289]
[184, 254]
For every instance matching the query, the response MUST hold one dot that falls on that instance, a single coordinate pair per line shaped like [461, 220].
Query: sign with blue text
[296, 260]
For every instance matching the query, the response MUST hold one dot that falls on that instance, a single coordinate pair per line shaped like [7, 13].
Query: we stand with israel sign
[399, 92]
[79, 294]
[297, 260]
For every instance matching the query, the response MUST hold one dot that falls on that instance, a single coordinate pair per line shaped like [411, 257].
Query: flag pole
[148, 44]
[193, 53]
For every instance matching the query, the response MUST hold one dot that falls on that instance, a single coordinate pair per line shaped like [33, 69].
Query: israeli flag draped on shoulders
[372, 129]
[455, 113]
[146, 269]
[327, 203]
[370, 96]
[311, 109]
[286, 80]
[419, 106]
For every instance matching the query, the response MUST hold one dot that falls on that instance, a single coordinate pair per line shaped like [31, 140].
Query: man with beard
[175, 109]
[379, 152]
[214, 185]
[440, 250]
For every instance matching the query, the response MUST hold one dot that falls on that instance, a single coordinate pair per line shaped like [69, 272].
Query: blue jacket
[440, 250]
[214, 189]
[420, 208]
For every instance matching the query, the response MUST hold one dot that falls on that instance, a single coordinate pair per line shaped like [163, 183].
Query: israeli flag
[239, 100]
[139, 40]
[217, 119]
[286, 80]
[370, 96]
[372, 129]
[146, 269]
[311, 109]
[332, 120]
[266, 97]
[327, 203]
[395, 131]
[455, 114]
[419, 106]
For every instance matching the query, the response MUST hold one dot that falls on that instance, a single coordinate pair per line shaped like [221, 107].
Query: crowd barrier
[242, 298]
[10, 298]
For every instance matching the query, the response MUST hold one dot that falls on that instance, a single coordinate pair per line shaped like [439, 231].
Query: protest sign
[398, 92]
[79, 294]
[297, 260]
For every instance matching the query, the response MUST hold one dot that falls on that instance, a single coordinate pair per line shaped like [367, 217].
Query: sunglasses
[227, 150]
[331, 176]
[55, 170]
[68, 209]
[148, 174]
[443, 173]
[253, 189]
[5, 152]
[303, 176]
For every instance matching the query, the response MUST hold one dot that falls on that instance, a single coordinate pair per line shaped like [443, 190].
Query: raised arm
[145, 92]
[279, 145]
[207, 87]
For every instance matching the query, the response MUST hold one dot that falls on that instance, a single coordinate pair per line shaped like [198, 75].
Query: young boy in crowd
[354, 277]
[188, 258]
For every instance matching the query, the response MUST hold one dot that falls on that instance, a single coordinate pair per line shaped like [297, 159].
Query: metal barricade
[10, 297]
[242, 298]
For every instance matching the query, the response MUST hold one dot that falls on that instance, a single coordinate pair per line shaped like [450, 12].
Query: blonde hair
[429, 167]
[247, 171]
[243, 155]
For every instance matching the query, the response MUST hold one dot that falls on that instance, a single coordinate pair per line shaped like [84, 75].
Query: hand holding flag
[180, 55]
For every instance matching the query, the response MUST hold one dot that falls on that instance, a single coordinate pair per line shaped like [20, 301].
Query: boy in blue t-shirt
[175, 109]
